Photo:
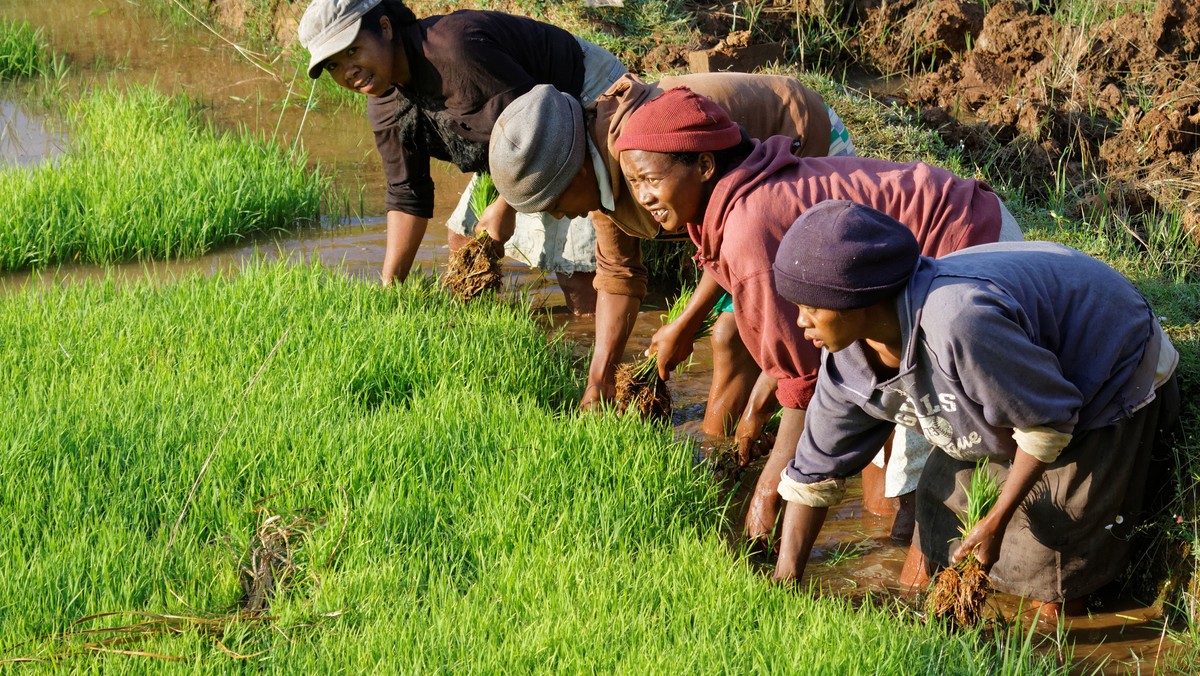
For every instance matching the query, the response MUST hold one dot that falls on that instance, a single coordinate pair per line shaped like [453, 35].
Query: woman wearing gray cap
[436, 86]
[1034, 356]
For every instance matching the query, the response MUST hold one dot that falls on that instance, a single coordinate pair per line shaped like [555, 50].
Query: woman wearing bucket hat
[693, 169]
[436, 86]
[1033, 355]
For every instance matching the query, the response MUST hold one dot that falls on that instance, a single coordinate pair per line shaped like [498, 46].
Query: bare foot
[916, 569]
[1052, 611]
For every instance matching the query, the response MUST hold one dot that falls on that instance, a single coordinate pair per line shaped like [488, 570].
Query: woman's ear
[385, 27]
[706, 164]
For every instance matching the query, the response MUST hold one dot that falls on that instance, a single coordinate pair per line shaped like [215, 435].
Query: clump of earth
[1111, 110]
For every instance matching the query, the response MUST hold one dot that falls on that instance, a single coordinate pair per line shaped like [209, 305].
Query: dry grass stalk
[271, 565]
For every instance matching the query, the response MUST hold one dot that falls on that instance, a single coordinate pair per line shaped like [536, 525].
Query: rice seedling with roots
[639, 387]
[960, 591]
[475, 268]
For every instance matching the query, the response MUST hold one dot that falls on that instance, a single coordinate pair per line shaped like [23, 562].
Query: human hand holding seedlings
[986, 536]
[499, 220]
[673, 343]
[759, 408]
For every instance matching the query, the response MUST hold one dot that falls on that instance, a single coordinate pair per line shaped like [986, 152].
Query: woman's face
[833, 330]
[673, 192]
[368, 65]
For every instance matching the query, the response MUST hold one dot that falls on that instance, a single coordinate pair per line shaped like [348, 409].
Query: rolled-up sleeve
[619, 266]
[839, 440]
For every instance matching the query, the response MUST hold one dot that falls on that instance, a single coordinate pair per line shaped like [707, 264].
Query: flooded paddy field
[855, 561]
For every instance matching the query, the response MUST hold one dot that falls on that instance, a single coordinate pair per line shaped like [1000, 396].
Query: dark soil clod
[648, 395]
[474, 269]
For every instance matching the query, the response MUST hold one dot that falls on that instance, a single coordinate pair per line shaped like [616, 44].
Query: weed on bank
[457, 513]
[145, 177]
[23, 51]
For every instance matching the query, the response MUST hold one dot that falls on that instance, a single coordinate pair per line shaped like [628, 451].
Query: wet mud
[855, 556]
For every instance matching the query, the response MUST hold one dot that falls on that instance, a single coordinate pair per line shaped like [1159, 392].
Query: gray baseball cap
[329, 26]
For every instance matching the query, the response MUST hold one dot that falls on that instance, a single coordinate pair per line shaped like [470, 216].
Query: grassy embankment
[145, 177]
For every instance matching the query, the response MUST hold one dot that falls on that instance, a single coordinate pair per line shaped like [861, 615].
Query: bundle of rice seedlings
[959, 591]
[475, 268]
[638, 386]
[482, 195]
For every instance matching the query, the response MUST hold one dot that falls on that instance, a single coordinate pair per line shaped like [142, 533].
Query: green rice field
[146, 177]
[286, 470]
[461, 516]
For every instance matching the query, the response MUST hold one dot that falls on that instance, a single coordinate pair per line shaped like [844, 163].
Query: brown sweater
[466, 66]
[764, 105]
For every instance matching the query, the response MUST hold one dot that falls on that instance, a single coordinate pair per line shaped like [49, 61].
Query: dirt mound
[1062, 105]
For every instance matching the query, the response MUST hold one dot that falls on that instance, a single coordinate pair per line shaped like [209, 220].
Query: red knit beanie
[679, 121]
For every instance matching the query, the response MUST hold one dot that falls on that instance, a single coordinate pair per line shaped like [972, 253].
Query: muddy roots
[959, 593]
[647, 395]
[474, 269]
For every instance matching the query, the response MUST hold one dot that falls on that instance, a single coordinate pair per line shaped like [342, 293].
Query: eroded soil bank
[1105, 111]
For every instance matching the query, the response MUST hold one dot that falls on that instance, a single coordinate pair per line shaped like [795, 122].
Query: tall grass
[22, 51]
[466, 518]
[146, 177]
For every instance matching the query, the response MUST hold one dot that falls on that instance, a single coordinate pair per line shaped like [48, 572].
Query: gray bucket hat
[329, 26]
[538, 146]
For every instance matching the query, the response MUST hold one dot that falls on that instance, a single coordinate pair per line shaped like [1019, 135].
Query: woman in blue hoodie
[1033, 355]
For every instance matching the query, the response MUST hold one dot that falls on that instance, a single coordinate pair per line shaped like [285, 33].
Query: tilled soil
[1111, 111]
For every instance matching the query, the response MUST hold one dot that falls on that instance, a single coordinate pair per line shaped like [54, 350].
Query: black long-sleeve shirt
[466, 68]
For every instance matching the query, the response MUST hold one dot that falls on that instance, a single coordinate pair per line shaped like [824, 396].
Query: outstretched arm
[801, 526]
[759, 409]
[404, 235]
[673, 342]
[615, 316]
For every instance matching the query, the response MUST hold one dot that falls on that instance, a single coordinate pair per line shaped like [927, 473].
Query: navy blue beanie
[842, 255]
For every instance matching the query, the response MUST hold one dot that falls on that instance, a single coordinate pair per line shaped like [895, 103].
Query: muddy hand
[499, 220]
[749, 433]
[984, 539]
[671, 346]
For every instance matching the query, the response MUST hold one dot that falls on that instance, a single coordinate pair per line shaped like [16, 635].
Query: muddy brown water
[102, 40]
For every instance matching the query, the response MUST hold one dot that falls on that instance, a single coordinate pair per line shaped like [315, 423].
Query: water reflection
[25, 139]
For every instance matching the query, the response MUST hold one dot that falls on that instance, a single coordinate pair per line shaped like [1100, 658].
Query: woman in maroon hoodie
[691, 167]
